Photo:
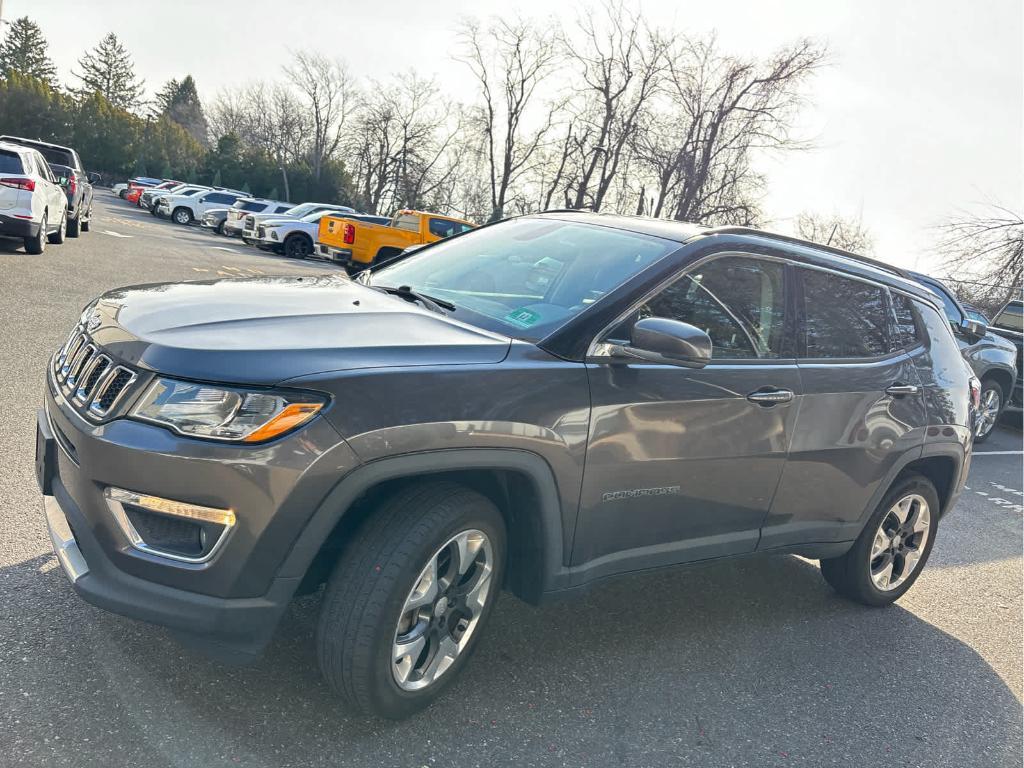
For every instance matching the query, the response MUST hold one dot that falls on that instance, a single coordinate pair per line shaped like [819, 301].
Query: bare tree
[267, 118]
[720, 110]
[401, 144]
[509, 61]
[983, 255]
[835, 230]
[621, 64]
[328, 90]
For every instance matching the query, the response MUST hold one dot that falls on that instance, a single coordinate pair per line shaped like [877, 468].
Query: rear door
[862, 409]
[682, 463]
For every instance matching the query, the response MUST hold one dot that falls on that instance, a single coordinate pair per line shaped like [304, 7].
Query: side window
[737, 301]
[844, 317]
[908, 334]
[282, 209]
[444, 227]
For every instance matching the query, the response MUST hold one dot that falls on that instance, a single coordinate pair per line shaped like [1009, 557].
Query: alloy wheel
[988, 412]
[442, 610]
[899, 542]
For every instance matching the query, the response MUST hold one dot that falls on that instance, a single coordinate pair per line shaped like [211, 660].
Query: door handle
[768, 397]
[899, 390]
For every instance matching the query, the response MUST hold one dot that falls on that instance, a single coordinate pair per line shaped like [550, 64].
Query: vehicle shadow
[751, 662]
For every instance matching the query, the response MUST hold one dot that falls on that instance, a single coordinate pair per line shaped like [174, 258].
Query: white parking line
[114, 234]
[222, 248]
[999, 453]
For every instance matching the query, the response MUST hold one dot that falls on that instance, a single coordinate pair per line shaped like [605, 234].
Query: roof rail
[800, 241]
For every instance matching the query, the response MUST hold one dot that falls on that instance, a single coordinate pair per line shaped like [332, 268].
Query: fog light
[209, 526]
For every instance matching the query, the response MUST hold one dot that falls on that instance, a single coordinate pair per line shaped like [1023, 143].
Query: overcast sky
[918, 115]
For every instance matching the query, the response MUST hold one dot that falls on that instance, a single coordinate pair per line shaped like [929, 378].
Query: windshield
[526, 277]
[316, 215]
[1011, 317]
[301, 210]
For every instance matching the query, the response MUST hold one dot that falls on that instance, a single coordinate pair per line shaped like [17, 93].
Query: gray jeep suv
[531, 406]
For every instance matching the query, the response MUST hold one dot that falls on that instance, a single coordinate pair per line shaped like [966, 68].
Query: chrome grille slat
[68, 357]
[79, 363]
[120, 381]
[90, 380]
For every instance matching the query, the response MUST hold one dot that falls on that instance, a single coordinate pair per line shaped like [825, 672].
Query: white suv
[235, 222]
[184, 209]
[33, 207]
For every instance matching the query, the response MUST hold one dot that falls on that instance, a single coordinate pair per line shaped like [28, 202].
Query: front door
[682, 463]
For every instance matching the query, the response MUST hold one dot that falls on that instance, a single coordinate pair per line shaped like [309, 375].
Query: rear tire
[87, 221]
[376, 600]
[855, 574]
[36, 245]
[75, 226]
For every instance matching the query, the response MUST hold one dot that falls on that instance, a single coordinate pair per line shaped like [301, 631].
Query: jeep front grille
[92, 383]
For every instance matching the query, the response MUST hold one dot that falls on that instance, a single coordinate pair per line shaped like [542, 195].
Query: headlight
[224, 413]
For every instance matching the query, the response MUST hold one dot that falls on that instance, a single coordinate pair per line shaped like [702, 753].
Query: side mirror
[661, 340]
[973, 329]
[93, 177]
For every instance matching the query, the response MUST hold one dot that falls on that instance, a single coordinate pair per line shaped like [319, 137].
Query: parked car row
[335, 232]
[45, 193]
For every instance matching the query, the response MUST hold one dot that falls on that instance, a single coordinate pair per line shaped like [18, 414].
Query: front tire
[991, 408]
[182, 216]
[406, 604]
[75, 226]
[894, 546]
[297, 247]
[58, 237]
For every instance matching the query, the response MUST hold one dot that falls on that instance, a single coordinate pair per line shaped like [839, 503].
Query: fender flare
[950, 450]
[339, 500]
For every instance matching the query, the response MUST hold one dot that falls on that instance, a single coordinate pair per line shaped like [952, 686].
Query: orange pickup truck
[359, 244]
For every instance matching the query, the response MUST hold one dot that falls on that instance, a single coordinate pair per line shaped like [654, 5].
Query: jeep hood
[269, 329]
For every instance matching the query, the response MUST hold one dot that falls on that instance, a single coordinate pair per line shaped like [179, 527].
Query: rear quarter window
[907, 332]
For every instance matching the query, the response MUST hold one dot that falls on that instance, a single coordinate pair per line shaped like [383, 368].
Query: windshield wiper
[407, 293]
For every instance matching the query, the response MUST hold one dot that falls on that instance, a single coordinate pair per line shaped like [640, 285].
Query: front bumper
[227, 606]
[229, 629]
[19, 228]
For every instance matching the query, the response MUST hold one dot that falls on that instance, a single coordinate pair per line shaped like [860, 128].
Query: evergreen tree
[164, 97]
[24, 51]
[108, 69]
[184, 108]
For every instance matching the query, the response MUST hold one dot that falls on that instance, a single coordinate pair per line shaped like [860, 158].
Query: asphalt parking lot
[753, 662]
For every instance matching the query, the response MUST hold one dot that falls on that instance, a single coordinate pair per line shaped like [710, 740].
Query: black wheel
[122, 194]
[404, 607]
[219, 229]
[297, 247]
[182, 216]
[75, 226]
[87, 221]
[36, 245]
[890, 552]
[991, 408]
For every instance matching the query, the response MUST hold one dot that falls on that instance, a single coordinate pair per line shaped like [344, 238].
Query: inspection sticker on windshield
[522, 317]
